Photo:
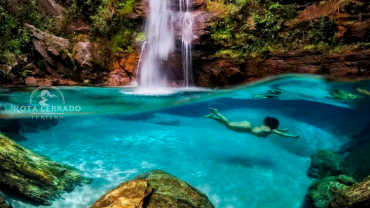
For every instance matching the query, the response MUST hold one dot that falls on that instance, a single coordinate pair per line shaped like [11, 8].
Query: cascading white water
[161, 42]
[187, 35]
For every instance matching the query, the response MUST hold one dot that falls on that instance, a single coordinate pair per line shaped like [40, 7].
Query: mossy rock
[327, 163]
[34, 177]
[3, 202]
[155, 189]
[321, 192]
[355, 196]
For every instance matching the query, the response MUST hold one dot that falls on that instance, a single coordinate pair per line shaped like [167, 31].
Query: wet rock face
[327, 163]
[358, 157]
[356, 196]
[322, 191]
[3, 202]
[155, 189]
[34, 177]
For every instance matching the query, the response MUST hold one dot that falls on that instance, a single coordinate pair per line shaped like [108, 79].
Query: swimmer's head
[271, 122]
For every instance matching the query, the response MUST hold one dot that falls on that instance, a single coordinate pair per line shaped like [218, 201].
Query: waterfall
[187, 35]
[161, 42]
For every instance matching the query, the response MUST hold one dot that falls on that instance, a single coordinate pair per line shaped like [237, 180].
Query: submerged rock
[3, 202]
[34, 177]
[155, 189]
[357, 196]
[327, 163]
[322, 191]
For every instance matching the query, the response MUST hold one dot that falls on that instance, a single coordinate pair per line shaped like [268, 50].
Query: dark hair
[271, 122]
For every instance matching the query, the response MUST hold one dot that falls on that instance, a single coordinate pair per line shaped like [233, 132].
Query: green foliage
[252, 32]
[13, 38]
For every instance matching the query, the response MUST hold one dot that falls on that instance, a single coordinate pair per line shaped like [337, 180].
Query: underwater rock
[155, 189]
[3, 202]
[358, 157]
[322, 191]
[33, 177]
[355, 196]
[327, 163]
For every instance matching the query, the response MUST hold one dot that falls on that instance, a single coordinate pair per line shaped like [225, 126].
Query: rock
[6, 71]
[327, 163]
[89, 60]
[155, 189]
[322, 191]
[33, 176]
[345, 65]
[356, 196]
[51, 7]
[78, 26]
[49, 46]
[358, 157]
[117, 77]
[3, 202]
[31, 81]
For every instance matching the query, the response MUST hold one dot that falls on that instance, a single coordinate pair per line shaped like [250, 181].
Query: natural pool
[126, 132]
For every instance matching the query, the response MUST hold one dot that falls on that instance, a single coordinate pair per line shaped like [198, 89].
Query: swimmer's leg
[235, 126]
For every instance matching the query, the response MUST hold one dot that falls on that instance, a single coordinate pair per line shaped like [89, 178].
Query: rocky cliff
[47, 42]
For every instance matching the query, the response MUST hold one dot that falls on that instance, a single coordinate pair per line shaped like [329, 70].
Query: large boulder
[3, 201]
[155, 189]
[322, 191]
[90, 60]
[327, 163]
[34, 177]
[356, 196]
[52, 48]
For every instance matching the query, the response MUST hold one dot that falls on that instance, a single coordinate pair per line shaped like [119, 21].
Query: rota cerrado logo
[47, 102]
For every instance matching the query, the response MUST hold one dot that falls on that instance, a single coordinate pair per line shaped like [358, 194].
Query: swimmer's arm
[283, 130]
[285, 134]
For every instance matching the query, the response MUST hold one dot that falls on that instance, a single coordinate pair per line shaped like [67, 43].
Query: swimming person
[270, 126]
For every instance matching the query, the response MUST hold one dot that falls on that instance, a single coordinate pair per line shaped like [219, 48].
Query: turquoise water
[121, 132]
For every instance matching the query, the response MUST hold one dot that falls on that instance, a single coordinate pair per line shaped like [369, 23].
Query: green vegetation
[250, 28]
[109, 21]
[14, 39]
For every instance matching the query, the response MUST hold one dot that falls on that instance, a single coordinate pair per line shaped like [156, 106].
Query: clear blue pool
[126, 132]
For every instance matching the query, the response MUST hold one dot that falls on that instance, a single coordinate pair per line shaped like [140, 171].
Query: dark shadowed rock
[358, 157]
[51, 7]
[356, 196]
[322, 191]
[34, 177]
[3, 202]
[327, 163]
[155, 189]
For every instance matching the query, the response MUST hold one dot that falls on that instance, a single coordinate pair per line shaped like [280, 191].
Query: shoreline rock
[154, 189]
[33, 177]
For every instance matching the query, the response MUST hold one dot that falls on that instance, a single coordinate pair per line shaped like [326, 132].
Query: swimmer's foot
[208, 116]
[214, 110]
